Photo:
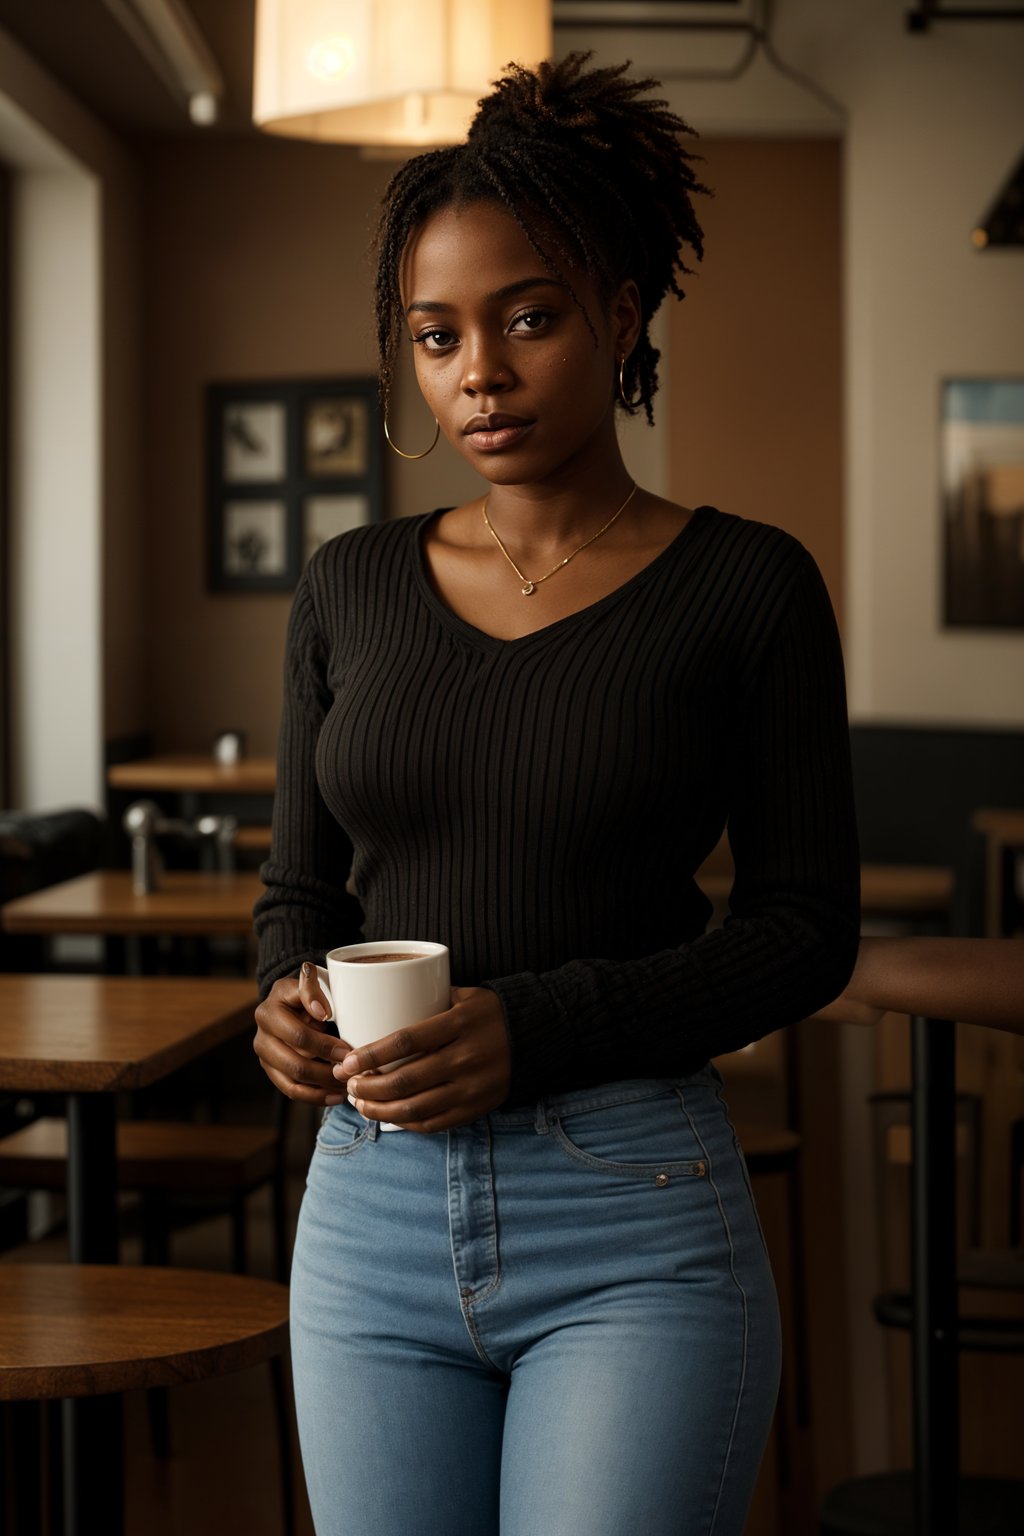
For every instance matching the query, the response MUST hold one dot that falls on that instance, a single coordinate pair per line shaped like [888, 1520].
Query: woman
[522, 724]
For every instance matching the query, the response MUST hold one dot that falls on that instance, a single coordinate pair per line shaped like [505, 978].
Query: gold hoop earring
[629, 404]
[401, 455]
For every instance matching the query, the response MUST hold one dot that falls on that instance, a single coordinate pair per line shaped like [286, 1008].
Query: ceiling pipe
[166, 35]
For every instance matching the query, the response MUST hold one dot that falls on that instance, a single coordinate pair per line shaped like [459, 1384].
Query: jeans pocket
[650, 1139]
[342, 1131]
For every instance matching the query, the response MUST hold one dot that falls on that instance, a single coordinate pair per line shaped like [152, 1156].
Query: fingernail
[352, 1102]
[338, 1070]
[307, 969]
[351, 1062]
[318, 1010]
[339, 1053]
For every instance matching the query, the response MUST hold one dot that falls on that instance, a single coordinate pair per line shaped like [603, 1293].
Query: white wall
[76, 673]
[936, 130]
[56, 523]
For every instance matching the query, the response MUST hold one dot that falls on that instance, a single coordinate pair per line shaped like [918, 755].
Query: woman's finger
[277, 1021]
[417, 1040]
[312, 995]
[403, 1082]
[303, 1078]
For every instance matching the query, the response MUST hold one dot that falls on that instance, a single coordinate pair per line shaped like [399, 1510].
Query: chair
[159, 1157]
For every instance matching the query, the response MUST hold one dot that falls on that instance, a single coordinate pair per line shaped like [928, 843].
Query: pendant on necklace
[529, 588]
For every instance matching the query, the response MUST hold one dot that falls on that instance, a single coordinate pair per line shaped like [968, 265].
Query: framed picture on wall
[983, 502]
[290, 464]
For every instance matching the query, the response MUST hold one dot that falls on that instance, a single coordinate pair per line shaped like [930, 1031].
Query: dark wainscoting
[916, 788]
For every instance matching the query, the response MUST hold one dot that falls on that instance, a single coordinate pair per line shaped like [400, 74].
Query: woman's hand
[462, 1070]
[294, 1045]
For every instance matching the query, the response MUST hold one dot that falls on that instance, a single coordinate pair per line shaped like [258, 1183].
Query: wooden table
[90, 1037]
[187, 902]
[183, 773]
[93, 1036]
[190, 775]
[63, 1328]
[88, 1331]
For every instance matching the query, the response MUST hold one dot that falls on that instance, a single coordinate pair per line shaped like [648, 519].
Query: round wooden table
[79, 1330]
[91, 1331]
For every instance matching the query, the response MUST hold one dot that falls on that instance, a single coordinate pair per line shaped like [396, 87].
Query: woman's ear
[626, 318]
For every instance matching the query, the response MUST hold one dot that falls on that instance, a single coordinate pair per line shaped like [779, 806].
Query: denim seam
[743, 1297]
[466, 1304]
[344, 1151]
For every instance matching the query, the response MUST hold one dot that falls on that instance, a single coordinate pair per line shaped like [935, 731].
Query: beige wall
[756, 353]
[255, 268]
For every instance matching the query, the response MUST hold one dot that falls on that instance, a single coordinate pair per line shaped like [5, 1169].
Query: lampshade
[387, 72]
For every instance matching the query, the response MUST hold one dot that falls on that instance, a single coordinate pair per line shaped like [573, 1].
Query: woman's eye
[434, 341]
[531, 320]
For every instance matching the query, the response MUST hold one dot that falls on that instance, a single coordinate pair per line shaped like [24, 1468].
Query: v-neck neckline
[486, 641]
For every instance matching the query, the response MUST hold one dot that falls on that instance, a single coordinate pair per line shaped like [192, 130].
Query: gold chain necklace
[530, 587]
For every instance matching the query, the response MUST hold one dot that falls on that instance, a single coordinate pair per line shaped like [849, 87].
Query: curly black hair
[577, 154]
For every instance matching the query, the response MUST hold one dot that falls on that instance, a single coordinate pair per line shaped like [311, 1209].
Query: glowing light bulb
[332, 58]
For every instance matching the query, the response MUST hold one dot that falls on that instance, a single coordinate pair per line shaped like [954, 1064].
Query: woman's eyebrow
[429, 307]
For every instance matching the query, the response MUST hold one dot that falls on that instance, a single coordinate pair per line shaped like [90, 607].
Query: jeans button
[661, 1179]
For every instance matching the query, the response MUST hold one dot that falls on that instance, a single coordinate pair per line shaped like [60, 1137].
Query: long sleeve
[305, 909]
[790, 940]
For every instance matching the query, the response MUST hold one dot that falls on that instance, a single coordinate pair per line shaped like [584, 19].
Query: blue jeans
[556, 1321]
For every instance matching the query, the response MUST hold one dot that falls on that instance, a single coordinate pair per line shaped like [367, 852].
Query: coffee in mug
[378, 959]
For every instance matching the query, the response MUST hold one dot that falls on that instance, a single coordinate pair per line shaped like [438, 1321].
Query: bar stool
[91, 1331]
[931, 1498]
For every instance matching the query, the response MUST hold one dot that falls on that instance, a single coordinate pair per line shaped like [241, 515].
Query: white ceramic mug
[369, 999]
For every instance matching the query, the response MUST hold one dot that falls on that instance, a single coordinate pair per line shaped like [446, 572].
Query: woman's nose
[484, 372]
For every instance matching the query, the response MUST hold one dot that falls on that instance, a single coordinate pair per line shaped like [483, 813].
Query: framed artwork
[983, 503]
[289, 465]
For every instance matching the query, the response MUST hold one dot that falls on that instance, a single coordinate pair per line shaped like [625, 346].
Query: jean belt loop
[374, 1130]
[542, 1119]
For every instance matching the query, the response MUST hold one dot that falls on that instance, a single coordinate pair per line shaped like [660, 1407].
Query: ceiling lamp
[387, 72]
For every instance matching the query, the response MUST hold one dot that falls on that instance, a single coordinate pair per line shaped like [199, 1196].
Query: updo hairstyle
[594, 175]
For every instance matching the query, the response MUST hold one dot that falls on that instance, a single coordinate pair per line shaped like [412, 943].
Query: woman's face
[504, 357]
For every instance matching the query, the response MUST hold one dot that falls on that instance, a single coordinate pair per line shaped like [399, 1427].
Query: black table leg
[93, 1466]
[933, 1277]
[92, 1178]
[93, 1455]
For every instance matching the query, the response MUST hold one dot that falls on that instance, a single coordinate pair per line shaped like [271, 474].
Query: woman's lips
[495, 440]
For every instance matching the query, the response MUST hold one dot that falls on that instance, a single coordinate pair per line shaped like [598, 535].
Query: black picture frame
[289, 463]
[982, 502]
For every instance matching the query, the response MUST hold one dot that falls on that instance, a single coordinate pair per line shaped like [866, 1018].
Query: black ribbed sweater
[540, 805]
